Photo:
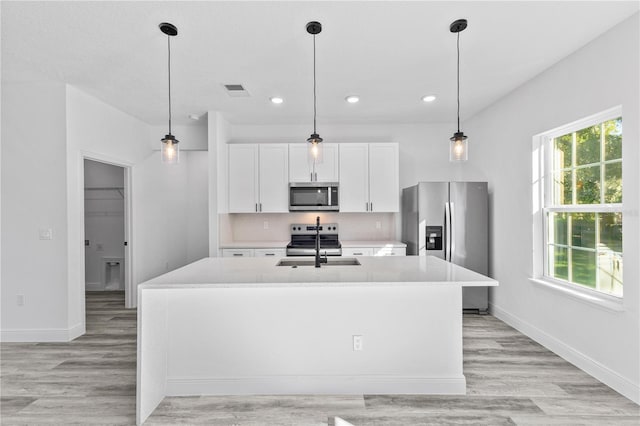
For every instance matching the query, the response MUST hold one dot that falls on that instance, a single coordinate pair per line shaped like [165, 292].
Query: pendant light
[315, 145]
[170, 149]
[458, 150]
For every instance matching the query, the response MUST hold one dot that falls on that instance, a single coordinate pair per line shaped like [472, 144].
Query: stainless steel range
[303, 240]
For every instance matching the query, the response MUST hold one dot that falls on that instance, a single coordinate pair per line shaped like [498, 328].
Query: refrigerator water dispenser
[434, 238]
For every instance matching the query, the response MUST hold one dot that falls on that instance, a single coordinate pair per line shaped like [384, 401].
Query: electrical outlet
[265, 224]
[378, 224]
[20, 300]
[357, 342]
[46, 234]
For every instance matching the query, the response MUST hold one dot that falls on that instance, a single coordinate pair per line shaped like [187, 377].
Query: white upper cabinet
[369, 177]
[384, 177]
[301, 170]
[258, 178]
[243, 178]
[354, 177]
[273, 178]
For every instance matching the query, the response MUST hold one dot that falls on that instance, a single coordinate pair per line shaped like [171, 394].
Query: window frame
[543, 187]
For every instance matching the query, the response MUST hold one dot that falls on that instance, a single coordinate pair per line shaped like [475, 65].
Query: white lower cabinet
[357, 251]
[237, 252]
[389, 251]
[254, 252]
[270, 253]
[374, 251]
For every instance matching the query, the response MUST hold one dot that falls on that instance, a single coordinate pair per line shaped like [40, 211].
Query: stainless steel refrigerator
[450, 220]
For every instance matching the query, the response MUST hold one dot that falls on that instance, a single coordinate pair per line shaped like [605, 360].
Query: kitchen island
[390, 325]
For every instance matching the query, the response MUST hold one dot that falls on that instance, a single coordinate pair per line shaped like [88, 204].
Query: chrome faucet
[319, 260]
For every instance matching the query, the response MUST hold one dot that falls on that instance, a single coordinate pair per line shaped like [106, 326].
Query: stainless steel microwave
[313, 196]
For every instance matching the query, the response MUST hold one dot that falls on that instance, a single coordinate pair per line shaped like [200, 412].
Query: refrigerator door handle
[452, 235]
[447, 232]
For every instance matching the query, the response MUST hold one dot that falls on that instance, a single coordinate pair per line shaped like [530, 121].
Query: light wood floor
[510, 380]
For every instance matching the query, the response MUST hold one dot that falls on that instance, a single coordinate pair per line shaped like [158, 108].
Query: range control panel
[308, 229]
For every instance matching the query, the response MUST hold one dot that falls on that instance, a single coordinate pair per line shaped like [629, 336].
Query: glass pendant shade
[170, 150]
[458, 150]
[315, 149]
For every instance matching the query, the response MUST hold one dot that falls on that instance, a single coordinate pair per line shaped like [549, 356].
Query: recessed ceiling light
[428, 98]
[352, 99]
[276, 100]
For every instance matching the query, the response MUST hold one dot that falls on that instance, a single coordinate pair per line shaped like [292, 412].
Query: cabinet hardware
[371, 209]
[269, 254]
[260, 206]
[316, 176]
[366, 205]
[237, 254]
[357, 254]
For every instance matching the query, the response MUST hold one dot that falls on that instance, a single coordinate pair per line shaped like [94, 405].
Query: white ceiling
[390, 53]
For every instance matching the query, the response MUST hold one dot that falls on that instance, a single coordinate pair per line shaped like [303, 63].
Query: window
[582, 210]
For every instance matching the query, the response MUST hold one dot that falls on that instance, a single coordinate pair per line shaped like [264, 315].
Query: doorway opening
[105, 231]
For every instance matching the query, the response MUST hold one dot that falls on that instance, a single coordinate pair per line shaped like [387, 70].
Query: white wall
[192, 137]
[160, 216]
[48, 129]
[92, 127]
[599, 76]
[34, 198]
[197, 205]
[218, 135]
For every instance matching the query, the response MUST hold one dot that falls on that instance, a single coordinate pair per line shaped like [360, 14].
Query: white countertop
[263, 272]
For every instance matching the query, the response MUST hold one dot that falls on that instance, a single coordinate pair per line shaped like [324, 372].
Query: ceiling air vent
[236, 90]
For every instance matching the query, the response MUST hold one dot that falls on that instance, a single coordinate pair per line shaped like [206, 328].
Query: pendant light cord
[314, 83]
[458, 48]
[169, 67]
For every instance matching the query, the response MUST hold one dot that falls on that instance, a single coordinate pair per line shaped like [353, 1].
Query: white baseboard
[599, 371]
[273, 385]
[42, 335]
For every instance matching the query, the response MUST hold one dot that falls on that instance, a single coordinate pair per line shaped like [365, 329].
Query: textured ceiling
[389, 53]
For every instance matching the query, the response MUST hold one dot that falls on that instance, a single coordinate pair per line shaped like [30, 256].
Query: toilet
[113, 273]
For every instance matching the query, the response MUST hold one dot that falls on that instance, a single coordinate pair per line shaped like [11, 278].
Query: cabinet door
[274, 178]
[384, 184]
[327, 171]
[243, 178]
[354, 177]
[299, 170]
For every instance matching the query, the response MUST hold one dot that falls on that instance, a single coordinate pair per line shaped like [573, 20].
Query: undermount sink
[343, 261]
